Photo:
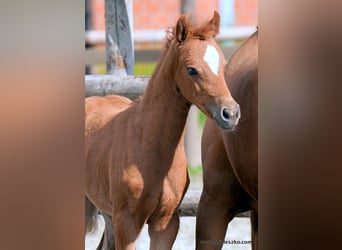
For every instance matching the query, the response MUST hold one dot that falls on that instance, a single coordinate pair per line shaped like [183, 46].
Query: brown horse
[230, 159]
[136, 168]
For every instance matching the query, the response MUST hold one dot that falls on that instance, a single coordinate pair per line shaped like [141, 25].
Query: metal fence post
[118, 27]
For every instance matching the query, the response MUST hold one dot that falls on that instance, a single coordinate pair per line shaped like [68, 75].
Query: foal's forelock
[193, 30]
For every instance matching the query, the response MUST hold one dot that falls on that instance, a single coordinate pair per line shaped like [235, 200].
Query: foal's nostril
[231, 115]
[228, 117]
[237, 115]
[225, 114]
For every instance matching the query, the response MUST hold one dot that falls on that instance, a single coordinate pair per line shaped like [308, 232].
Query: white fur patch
[211, 57]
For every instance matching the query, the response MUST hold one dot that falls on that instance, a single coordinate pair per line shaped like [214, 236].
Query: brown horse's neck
[163, 108]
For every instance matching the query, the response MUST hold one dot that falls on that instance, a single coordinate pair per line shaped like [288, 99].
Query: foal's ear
[215, 23]
[182, 29]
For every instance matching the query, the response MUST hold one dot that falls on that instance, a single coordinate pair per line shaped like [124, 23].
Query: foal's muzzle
[227, 117]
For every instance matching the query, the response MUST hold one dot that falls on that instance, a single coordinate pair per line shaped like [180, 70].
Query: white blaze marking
[211, 57]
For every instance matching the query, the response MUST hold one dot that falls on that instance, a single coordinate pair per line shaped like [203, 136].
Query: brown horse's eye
[192, 71]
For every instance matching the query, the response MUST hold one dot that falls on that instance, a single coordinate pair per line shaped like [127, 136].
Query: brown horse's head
[200, 71]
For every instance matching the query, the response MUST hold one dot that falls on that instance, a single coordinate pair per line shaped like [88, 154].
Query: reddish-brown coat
[135, 161]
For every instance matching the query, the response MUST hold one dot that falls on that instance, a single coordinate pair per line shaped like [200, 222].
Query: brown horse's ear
[182, 29]
[215, 23]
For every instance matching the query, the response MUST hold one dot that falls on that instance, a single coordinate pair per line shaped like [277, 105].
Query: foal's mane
[195, 30]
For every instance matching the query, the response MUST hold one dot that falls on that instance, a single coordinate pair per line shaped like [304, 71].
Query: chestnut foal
[136, 169]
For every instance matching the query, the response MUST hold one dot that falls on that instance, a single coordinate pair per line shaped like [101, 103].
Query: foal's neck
[163, 106]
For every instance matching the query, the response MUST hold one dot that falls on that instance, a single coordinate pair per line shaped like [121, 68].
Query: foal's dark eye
[192, 71]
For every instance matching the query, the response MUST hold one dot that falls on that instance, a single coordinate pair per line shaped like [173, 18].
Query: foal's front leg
[129, 221]
[163, 238]
[127, 227]
[163, 225]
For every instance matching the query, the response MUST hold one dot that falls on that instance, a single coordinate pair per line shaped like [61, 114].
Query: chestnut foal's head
[200, 71]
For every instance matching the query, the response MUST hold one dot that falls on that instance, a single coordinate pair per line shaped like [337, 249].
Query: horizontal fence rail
[190, 202]
[102, 85]
[98, 56]
[93, 37]
[189, 205]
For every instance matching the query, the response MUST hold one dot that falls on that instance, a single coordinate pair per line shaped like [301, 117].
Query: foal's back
[100, 110]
